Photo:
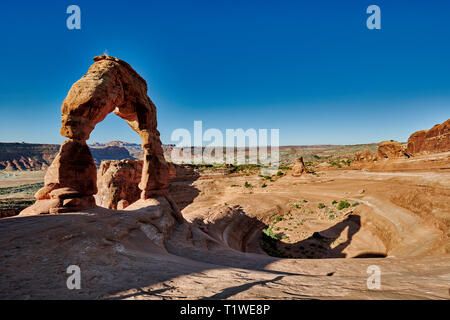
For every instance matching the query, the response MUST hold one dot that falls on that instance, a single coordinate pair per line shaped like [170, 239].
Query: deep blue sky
[310, 68]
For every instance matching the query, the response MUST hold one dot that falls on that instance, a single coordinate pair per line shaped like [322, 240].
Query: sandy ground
[17, 178]
[403, 217]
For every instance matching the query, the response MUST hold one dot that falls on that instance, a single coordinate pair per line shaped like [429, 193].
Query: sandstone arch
[110, 85]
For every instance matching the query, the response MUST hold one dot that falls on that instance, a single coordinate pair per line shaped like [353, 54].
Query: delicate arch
[110, 85]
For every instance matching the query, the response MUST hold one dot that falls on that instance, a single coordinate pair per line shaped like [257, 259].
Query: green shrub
[343, 204]
[334, 202]
[269, 232]
[277, 218]
[321, 206]
[247, 185]
[263, 185]
[355, 204]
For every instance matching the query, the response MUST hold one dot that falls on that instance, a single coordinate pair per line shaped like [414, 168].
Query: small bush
[355, 204]
[343, 204]
[269, 232]
[247, 185]
[277, 218]
[321, 206]
[334, 202]
[263, 185]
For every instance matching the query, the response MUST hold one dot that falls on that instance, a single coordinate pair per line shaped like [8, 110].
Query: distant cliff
[26, 156]
[29, 156]
[109, 153]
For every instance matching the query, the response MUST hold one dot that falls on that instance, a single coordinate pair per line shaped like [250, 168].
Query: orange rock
[299, 168]
[365, 156]
[110, 85]
[117, 181]
[437, 139]
[390, 150]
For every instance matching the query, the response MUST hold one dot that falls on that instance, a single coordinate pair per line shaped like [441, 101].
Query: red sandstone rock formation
[110, 85]
[117, 182]
[299, 168]
[437, 139]
[391, 150]
[365, 156]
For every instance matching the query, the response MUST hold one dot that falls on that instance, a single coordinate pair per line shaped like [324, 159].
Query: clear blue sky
[310, 68]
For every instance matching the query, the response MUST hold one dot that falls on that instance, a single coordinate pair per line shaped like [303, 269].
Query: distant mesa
[434, 140]
[29, 156]
[24, 156]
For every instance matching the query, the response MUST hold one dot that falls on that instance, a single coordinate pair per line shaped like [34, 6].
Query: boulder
[391, 150]
[365, 156]
[117, 183]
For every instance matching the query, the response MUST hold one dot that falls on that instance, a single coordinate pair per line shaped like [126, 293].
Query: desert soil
[397, 220]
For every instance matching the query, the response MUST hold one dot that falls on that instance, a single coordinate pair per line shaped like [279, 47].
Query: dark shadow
[371, 255]
[231, 291]
[319, 245]
[141, 292]
[181, 189]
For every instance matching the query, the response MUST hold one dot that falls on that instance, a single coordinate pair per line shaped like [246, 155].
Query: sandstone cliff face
[26, 156]
[435, 140]
[29, 156]
[391, 150]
